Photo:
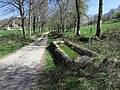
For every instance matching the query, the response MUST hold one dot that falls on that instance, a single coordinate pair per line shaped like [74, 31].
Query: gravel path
[18, 70]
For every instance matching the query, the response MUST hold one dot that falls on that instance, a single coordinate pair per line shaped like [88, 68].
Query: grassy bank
[13, 40]
[86, 31]
[108, 46]
[57, 78]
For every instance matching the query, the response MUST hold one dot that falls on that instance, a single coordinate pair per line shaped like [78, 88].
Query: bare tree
[63, 5]
[38, 14]
[99, 22]
[30, 3]
[78, 17]
[43, 14]
[16, 5]
[81, 8]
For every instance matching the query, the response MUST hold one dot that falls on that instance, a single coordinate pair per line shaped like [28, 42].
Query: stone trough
[80, 50]
[62, 59]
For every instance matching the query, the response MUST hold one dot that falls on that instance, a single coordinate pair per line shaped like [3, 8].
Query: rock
[117, 65]
[117, 84]
[115, 75]
[81, 80]
[118, 76]
[82, 61]
[92, 88]
[108, 65]
[111, 69]
[84, 51]
[81, 50]
[61, 42]
[108, 61]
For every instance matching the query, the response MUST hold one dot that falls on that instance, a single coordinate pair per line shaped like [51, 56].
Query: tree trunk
[99, 22]
[29, 20]
[63, 30]
[74, 25]
[34, 26]
[61, 16]
[78, 17]
[22, 14]
[37, 23]
[39, 29]
[22, 20]
[42, 27]
[61, 20]
[58, 28]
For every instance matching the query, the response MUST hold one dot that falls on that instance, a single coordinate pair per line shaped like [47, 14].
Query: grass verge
[13, 40]
[79, 79]
[57, 78]
[86, 31]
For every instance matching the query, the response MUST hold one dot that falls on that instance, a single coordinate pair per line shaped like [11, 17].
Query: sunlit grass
[12, 40]
[91, 29]
[87, 31]
[71, 53]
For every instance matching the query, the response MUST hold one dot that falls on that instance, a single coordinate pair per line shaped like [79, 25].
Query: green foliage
[49, 61]
[71, 53]
[87, 32]
[116, 15]
[13, 40]
[107, 25]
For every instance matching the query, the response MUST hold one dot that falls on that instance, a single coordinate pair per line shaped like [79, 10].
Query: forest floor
[19, 69]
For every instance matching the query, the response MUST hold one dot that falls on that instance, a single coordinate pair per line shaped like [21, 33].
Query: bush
[116, 15]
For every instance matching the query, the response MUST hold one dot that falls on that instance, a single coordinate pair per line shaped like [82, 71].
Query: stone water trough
[61, 58]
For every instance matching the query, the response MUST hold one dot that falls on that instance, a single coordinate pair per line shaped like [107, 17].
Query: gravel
[19, 69]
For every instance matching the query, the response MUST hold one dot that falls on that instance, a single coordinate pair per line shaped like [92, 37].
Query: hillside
[101, 74]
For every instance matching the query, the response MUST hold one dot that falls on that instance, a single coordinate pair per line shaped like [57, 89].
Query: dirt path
[18, 70]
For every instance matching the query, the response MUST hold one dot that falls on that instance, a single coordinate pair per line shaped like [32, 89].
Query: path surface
[18, 70]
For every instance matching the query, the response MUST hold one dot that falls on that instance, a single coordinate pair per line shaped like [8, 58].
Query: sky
[107, 5]
[93, 7]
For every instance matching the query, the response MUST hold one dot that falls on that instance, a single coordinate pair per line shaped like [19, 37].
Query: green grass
[12, 40]
[107, 25]
[49, 61]
[108, 47]
[10, 32]
[56, 78]
[71, 53]
[85, 30]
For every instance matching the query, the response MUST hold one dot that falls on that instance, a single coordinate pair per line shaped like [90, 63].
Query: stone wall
[86, 60]
[87, 68]
[80, 50]
[62, 59]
